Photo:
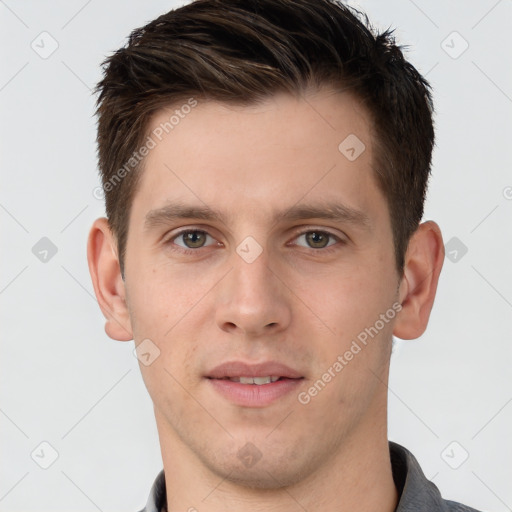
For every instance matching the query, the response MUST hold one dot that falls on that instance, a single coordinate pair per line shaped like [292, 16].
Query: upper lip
[241, 369]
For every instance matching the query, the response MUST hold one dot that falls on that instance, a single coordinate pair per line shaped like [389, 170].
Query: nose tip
[251, 329]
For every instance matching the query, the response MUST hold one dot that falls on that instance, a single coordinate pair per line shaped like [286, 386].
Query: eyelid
[174, 233]
[320, 229]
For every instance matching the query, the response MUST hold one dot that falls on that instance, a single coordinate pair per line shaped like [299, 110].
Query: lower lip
[254, 395]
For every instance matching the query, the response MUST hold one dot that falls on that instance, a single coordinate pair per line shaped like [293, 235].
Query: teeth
[254, 380]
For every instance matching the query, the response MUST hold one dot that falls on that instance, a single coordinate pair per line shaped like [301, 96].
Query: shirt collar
[157, 501]
[416, 493]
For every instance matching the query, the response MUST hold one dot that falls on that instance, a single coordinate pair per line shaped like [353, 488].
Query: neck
[358, 477]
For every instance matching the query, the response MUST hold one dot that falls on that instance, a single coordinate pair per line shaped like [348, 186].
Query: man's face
[273, 174]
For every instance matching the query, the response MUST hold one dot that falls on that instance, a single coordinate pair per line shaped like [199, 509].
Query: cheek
[164, 310]
[348, 302]
[162, 297]
[170, 308]
[358, 308]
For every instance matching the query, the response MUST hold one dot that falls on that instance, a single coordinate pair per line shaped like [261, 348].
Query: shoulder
[416, 492]
[453, 506]
[157, 500]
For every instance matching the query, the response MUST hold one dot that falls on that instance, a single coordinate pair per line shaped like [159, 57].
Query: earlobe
[107, 280]
[423, 263]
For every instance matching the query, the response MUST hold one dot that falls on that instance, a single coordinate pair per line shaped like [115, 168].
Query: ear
[107, 280]
[423, 263]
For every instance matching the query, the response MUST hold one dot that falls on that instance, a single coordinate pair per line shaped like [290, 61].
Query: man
[265, 165]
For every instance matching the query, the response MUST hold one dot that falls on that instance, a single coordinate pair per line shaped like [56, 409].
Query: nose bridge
[252, 278]
[252, 298]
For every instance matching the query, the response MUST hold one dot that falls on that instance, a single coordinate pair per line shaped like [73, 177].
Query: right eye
[189, 240]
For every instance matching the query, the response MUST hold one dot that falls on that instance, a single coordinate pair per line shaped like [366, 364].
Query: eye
[316, 239]
[192, 239]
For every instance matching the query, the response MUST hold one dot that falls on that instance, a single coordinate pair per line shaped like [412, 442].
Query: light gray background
[64, 382]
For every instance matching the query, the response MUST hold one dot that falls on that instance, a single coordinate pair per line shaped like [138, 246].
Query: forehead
[308, 116]
[245, 158]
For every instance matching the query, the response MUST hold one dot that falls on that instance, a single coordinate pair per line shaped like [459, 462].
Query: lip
[241, 369]
[253, 395]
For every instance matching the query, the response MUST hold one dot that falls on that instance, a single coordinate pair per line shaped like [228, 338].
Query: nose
[253, 300]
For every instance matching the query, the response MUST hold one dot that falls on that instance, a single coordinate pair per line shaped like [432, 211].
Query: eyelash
[328, 249]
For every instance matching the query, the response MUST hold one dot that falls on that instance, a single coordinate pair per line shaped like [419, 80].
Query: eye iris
[316, 239]
[194, 239]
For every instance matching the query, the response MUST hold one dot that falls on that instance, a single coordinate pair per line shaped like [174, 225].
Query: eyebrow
[329, 211]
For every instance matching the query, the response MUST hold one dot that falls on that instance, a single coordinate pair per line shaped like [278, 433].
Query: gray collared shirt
[417, 494]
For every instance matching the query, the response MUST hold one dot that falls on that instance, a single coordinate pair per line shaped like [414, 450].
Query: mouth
[258, 381]
[256, 385]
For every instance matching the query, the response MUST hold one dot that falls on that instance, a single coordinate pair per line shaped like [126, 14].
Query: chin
[272, 468]
[261, 479]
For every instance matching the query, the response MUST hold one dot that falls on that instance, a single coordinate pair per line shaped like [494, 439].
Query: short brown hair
[242, 51]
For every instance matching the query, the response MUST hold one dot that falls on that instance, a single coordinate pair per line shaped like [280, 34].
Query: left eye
[317, 239]
[193, 239]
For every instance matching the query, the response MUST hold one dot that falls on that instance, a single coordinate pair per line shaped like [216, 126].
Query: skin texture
[300, 305]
